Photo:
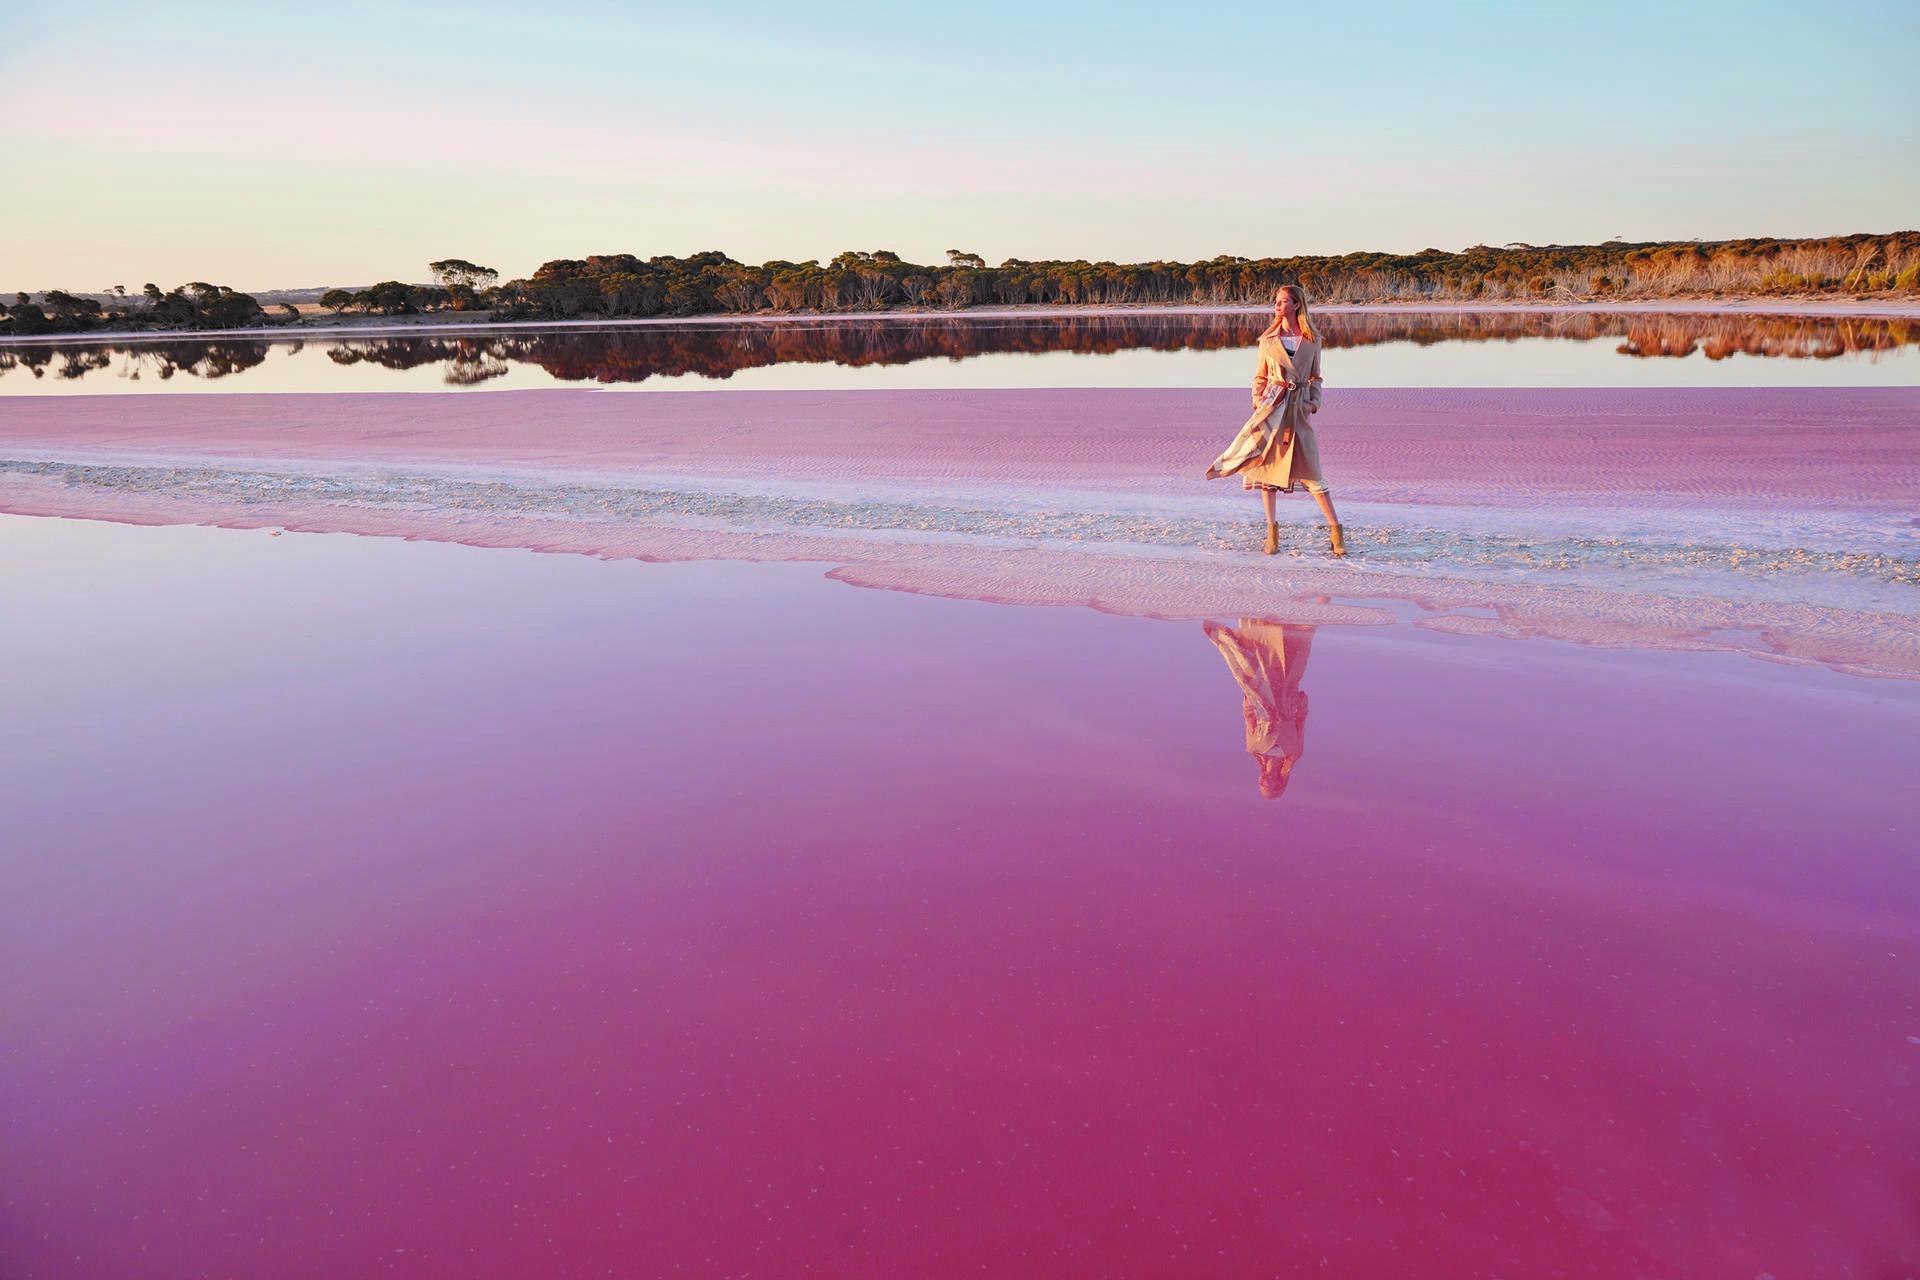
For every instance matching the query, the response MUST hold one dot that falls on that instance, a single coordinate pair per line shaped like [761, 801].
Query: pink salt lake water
[414, 909]
[380, 897]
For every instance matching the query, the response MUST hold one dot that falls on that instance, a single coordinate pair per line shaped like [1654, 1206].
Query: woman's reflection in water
[1267, 661]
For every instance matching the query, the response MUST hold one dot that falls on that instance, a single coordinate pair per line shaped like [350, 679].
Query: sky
[302, 143]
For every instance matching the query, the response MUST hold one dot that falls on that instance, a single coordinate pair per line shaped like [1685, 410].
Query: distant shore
[471, 322]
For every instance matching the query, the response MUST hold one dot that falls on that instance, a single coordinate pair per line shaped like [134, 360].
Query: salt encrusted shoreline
[1776, 523]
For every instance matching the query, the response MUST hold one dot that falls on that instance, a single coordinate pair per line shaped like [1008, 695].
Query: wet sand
[1771, 522]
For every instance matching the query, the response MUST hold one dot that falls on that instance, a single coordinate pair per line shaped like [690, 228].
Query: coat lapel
[1287, 362]
[1290, 360]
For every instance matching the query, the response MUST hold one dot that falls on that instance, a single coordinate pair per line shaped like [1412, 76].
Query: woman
[1267, 660]
[1276, 450]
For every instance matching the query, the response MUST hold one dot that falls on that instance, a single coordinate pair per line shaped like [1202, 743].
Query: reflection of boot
[1273, 537]
[1336, 532]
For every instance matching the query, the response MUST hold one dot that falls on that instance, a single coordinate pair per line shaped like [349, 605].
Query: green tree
[462, 280]
[389, 298]
[70, 310]
[27, 319]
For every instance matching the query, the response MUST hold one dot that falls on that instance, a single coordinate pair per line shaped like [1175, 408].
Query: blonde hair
[1301, 323]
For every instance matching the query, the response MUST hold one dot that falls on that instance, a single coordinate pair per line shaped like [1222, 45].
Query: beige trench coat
[1276, 446]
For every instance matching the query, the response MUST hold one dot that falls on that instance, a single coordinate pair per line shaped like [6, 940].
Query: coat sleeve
[1260, 377]
[1313, 382]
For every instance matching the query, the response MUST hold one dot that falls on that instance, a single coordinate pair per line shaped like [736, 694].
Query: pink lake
[390, 908]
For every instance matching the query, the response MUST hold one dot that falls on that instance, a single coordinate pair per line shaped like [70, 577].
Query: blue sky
[264, 145]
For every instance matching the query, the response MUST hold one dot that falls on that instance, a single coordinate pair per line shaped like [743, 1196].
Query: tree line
[620, 285]
[198, 305]
[459, 286]
[711, 283]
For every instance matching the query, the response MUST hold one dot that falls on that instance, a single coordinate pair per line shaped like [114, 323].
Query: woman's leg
[1334, 530]
[1273, 528]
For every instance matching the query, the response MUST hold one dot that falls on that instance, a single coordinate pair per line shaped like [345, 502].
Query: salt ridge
[1765, 522]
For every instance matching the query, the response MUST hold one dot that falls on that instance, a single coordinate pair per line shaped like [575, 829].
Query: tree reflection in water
[469, 360]
[718, 351]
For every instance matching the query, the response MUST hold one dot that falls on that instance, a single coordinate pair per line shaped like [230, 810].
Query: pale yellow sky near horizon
[253, 225]
[266, 151]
